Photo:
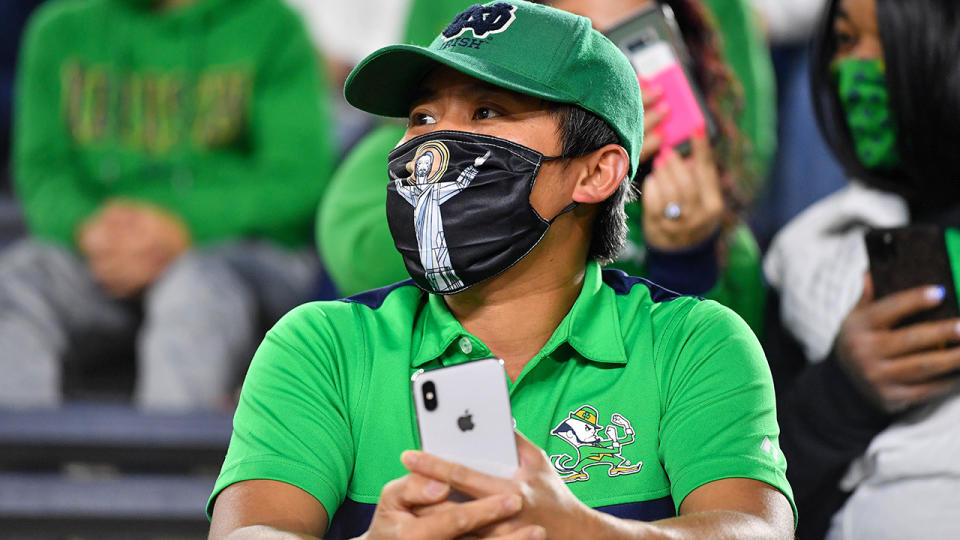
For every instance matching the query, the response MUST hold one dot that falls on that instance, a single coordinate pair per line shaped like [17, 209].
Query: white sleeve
[407, 192]
[349, 31]
[790, 21]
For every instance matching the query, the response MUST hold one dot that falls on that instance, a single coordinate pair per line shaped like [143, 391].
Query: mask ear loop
[570, 206]
[566, 209]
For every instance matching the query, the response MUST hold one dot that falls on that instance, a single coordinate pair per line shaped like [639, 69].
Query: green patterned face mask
[861, 86]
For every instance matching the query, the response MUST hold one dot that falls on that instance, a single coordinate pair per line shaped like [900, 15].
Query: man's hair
[582, 132]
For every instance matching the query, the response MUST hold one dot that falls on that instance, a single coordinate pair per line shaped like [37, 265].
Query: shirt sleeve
[292, 423]
[352, 231]
[53, 188]
[740, 286]
[737, 283]
[719, 414]
[826, 423]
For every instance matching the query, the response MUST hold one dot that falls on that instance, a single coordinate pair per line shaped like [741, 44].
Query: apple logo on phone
[465, 422]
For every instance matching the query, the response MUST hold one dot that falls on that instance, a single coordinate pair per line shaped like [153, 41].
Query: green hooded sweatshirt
[211, 110]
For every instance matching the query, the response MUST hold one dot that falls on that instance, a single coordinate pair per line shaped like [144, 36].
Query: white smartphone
[463, 415]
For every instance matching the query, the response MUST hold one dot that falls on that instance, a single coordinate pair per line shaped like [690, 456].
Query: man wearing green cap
[543, 115]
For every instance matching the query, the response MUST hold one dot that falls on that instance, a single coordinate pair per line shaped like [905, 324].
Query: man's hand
[682, 200]
[898, 369]
[394, 517]
[546, 500]
[128, 245]
[271, 509]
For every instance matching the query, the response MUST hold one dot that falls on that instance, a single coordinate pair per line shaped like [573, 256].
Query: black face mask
[463, 214]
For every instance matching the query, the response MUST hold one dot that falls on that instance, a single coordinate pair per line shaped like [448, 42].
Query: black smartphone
[909, 257]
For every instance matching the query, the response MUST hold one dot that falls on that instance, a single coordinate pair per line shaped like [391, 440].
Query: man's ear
[605, 169]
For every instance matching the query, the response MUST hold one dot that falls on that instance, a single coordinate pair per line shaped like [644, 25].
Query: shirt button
[465, 345]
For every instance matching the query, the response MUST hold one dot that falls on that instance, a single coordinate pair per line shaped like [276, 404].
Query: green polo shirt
[676, 388]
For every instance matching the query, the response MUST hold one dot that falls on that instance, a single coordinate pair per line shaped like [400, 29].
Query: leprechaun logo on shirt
[593, 445]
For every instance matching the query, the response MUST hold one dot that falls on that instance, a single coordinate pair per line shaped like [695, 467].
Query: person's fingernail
[538, 533]
[511, 503]
[435, 489]
[936, 294]
[410, 458]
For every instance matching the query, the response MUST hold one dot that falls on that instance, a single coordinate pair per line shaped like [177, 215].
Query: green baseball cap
[521, 46]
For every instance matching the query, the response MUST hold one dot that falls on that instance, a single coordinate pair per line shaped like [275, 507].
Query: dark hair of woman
[921, 51]
[739, 173]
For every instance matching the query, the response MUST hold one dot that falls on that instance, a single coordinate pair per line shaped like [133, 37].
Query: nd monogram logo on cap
[483, 20]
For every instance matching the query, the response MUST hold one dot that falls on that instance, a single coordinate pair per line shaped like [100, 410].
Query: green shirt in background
[326, 405]
[748, 54]
[213, 111]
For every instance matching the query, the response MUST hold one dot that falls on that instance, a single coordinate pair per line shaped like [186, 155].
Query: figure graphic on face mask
[426, 193]
[594, 445]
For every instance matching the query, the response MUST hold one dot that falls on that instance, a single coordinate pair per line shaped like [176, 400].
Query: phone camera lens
[429, 396]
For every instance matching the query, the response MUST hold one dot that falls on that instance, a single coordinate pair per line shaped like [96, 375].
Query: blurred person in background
[804, 170]
[169, 155]
[332, 27]
[706, 251]
[868, 400]
[789, 22]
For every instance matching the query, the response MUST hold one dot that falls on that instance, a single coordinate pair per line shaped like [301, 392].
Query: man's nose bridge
[451, 122]
[455, 113]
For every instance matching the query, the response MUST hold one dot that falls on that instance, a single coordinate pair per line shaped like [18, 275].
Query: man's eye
[484, 113]
[422, 119]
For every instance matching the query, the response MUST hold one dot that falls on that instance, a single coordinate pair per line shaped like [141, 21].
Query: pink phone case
[657, 65]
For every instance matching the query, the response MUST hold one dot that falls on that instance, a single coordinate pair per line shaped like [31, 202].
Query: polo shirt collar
[592, 327]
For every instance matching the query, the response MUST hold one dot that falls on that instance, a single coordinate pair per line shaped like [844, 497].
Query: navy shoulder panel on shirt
[373, 299]
[621, 283]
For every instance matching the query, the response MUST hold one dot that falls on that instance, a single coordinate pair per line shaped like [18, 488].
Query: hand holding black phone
[910, 257]
[900, 352]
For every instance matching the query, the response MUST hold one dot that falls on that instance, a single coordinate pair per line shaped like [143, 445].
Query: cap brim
[386, 82]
